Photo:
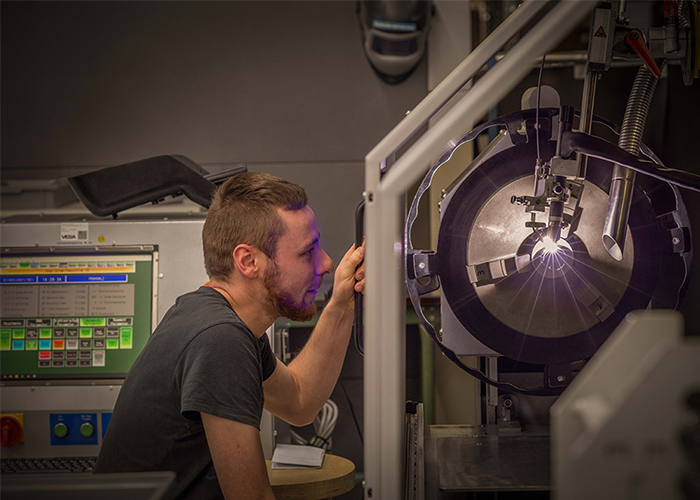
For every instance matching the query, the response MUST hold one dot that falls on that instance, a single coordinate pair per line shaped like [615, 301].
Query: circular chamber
[566, 301]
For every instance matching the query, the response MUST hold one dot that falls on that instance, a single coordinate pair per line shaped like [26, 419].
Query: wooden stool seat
[335, 477]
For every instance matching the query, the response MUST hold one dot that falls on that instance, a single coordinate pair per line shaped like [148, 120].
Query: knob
[87, 430]
[11, 430]
[60, 430]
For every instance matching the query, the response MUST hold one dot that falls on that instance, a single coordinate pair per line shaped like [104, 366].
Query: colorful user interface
[73, 316]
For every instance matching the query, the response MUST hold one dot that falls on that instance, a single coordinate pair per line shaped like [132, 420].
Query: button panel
[73, 428]
[91, 336]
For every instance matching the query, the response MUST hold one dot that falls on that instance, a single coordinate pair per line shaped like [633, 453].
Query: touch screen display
[74, 315]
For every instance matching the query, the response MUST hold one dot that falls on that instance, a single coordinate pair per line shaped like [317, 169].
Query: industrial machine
[524, 272]
[80, 297]
[547, 241]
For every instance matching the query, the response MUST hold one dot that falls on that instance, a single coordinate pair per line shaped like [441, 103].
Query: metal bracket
[422, 264]
[558, 375]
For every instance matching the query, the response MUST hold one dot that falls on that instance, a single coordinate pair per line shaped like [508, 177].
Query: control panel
[75, 313]
[73, 429]
[55, 421]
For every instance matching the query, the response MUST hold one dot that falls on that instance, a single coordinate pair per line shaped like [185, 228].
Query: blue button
[45, 345]
[18, 345]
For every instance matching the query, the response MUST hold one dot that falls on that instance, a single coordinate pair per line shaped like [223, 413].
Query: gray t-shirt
[201, 358]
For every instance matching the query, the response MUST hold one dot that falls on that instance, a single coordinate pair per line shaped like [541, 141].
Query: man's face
[293, 277]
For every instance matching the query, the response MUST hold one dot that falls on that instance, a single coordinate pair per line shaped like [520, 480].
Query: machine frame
[384, 368]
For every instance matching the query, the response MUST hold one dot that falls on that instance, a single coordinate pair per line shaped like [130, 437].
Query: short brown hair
[244, 210]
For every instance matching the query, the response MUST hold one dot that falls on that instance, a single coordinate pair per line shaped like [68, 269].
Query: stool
[335, 477]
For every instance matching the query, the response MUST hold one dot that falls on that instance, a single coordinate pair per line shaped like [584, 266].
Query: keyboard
[47, 465]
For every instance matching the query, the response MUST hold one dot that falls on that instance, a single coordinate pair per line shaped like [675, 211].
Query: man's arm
[297, 392]
[238, 458]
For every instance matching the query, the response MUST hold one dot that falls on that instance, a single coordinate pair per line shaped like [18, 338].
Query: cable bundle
[324, 424]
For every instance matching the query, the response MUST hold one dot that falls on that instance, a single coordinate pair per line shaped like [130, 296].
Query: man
[193, 400]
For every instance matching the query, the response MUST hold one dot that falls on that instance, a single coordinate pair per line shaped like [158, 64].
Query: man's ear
[247, 260]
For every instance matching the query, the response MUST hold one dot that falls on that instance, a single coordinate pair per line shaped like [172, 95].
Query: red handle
[670, 8]
[635, 41]
[11, 431]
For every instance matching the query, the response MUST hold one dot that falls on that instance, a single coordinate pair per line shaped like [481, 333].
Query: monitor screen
[78, 314]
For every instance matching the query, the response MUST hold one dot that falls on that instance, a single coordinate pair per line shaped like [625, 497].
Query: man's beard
[282, 305]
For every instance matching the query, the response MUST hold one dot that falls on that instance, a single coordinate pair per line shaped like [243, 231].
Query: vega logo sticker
[74, 232]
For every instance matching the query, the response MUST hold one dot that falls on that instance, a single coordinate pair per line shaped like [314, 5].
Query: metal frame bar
[384, 367]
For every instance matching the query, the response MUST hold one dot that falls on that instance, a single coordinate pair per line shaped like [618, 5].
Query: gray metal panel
[59, 398]
[492, 462]
[457, 338]
[36, 405]
[630, 438]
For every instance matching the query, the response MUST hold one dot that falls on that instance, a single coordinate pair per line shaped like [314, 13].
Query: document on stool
[294, 456]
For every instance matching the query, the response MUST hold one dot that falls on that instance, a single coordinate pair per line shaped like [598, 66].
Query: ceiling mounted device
[394, 35]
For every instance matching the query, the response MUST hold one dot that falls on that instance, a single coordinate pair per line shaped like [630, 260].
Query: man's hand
[238, 458]
[348, 277]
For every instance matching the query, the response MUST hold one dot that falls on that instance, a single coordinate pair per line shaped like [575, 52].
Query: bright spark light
[549, 246]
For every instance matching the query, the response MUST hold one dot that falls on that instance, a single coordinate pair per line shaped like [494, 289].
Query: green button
[63, 322]
[60, 430]
[39, 323]
[86, 333]
[12, 322]
[92, 322]
[32, 345]
[44, 333]
[5, 340]
[125, 337]
[18, 333]
[87, 430]
[24, 265]
[112, 343]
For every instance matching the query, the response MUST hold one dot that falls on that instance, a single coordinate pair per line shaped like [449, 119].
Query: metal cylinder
[556, 216]
[622, 182]
[586, 121]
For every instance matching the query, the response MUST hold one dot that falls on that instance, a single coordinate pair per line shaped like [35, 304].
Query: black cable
[358, 323]
[537, 112]
[352, 410]
[603, 150]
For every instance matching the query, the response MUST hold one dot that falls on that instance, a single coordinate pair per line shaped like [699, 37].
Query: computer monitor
[75, 313]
